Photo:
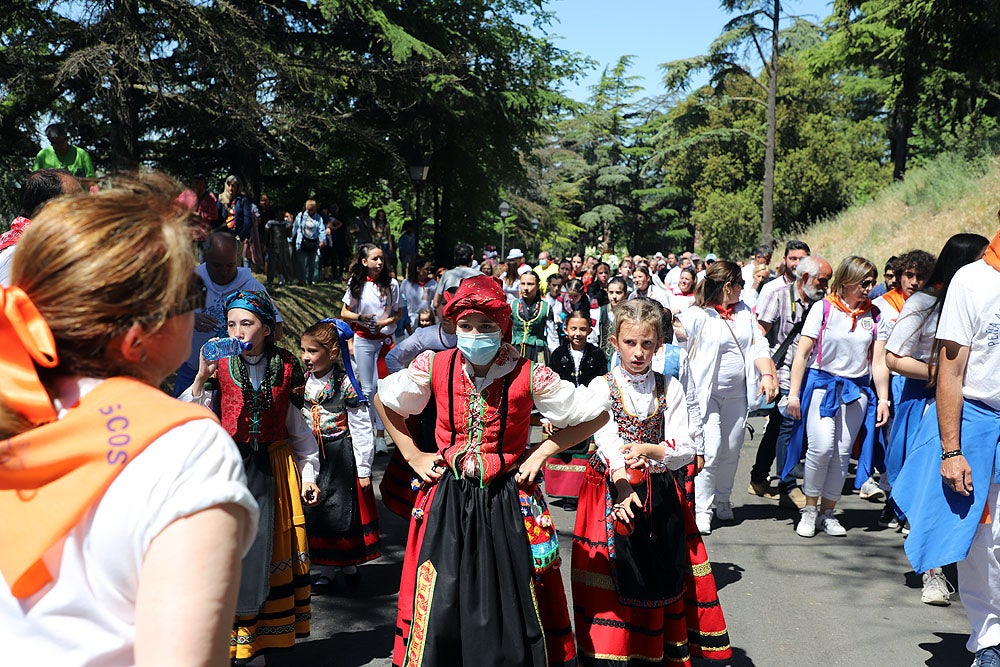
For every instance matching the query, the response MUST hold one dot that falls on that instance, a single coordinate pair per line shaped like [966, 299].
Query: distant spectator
[38, 188]
[463, 269]
[64, 155]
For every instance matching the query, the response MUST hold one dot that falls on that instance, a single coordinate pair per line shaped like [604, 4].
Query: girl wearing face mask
[480, 506]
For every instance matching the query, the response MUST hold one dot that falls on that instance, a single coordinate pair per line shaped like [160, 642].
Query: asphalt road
[789, 601]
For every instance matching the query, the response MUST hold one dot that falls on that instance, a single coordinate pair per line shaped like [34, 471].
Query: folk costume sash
[51, 476]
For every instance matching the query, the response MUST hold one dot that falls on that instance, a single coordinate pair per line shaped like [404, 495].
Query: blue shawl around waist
[839, 391]
[943, 522]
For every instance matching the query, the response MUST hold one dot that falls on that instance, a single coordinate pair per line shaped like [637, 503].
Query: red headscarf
[483, 295]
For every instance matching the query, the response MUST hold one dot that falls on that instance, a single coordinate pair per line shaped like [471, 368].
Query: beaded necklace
[256, 401]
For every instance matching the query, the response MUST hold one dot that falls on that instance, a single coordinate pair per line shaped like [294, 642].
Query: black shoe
[887, 519]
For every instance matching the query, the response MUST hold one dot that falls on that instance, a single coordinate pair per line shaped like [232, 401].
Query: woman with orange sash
[125, 512]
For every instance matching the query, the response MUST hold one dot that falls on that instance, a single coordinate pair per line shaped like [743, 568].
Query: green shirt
[76, 161]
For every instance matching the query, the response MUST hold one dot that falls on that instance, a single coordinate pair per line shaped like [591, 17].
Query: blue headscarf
[257, 302]
[344, 333]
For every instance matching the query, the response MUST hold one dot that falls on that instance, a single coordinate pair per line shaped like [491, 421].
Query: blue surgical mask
[479, 348]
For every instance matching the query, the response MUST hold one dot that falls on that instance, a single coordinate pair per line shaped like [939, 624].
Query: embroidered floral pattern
[426, 577]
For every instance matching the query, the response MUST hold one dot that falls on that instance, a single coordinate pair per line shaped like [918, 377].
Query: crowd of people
[639, 373]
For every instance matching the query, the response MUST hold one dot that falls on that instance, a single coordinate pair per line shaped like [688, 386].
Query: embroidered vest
[252, 422]
[480, 435]
[630, 427]
[529, 331]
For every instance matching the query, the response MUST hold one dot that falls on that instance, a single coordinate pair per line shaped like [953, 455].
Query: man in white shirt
[779, 310]
[953, 516]
[222, 276]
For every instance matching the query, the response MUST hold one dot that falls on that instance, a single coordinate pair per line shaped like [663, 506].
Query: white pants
[979, 580]
[724, 422]
[831, 440]
[366, 357]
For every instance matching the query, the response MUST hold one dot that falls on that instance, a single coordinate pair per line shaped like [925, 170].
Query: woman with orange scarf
[837, 401]
[125, 512]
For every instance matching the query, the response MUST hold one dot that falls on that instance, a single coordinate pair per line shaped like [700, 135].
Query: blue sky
[654, 31]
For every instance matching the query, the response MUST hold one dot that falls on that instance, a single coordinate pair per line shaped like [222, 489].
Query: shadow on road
[949, 652]
[726, 573]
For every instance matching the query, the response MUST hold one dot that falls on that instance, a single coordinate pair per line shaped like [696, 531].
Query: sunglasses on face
[194, 299]
[867, 283]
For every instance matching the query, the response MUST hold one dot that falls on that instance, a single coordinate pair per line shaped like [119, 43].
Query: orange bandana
[895, 298]
[992, 254]
[25, 340]
[52, 475]
[839, 304]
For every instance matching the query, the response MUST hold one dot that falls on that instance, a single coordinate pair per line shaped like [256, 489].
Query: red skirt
[361, 546]
[610, 633]
[564, 472]
[397, 486]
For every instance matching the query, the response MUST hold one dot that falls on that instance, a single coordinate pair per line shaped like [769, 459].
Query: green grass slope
[947, 196]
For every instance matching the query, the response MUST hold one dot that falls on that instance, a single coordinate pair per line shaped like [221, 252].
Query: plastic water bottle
[214, 350]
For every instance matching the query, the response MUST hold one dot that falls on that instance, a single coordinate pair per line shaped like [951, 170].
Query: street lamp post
[418, 174]
[504, 212]
[534, 228]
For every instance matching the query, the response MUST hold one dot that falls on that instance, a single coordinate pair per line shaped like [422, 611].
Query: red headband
[483, 295]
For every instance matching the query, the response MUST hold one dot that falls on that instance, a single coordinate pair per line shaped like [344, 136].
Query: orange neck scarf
[855, 313]
[52, 475]
[992, 255]
[895, 298]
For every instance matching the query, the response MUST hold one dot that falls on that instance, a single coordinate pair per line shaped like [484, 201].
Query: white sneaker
[937, 589]
[380, 447]
[704, 523]
[830, 525]
[807, 522]
[871, 491]
[724, 510]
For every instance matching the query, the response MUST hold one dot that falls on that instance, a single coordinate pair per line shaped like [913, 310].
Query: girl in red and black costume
[481, 583]
[278, 450]
[643, 590]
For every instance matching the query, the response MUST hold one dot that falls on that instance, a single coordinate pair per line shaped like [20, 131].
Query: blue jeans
[774, 449]
[988, 657]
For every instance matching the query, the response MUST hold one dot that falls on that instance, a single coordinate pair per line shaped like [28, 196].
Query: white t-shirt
[844, 352]
[971, 317]
[888, 316]
[418, 297]
[6, 261]
[372, 302]
[914, 331]
[86, 616]
[215, 305]
[672, 278]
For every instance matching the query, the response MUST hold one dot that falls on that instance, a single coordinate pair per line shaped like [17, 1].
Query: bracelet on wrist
[885, 400]
[950, 454]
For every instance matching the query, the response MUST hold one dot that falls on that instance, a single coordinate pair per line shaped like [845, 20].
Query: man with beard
[780, 313]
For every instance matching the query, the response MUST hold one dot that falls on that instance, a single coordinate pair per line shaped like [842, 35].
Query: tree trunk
[767, 223]
[122, 99]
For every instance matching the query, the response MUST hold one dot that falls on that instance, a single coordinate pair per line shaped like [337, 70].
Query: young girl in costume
[372, 307]
[343, 528]
[579, 362]
[643, 591]
[278, 448]
[530, 313]
[125, 512]
[481, 583]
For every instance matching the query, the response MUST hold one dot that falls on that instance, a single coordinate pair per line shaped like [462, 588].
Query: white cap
[515, 253]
